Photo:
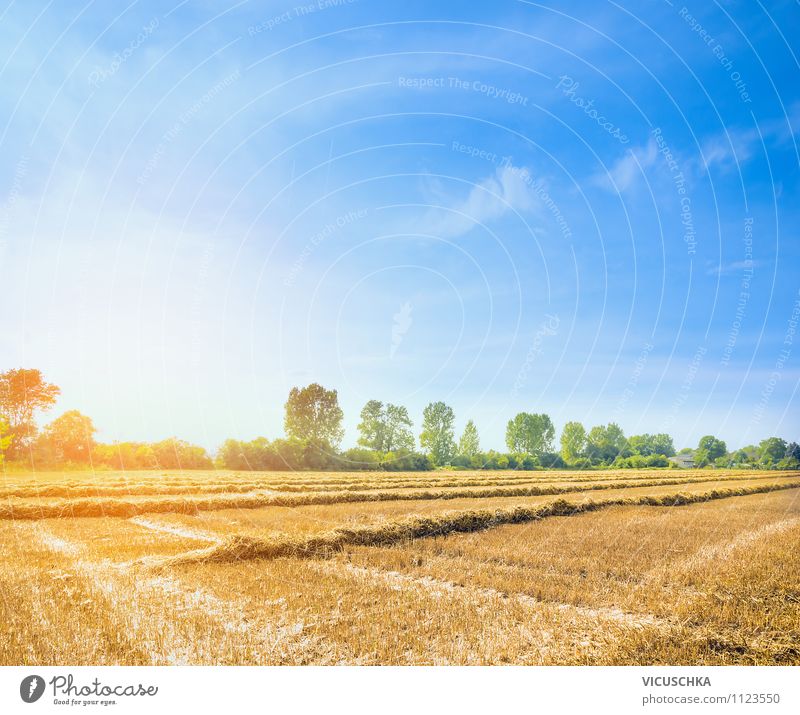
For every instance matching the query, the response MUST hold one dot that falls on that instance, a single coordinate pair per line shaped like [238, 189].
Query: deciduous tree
[372, 425]
[708, 450]
[313, 414]
[469, 444]
[71, 437]
[22, 393]
[530, 434]
[573, 441]
[437, 437]
[606, 442]
[771, 451]
[385, 428]
[648, 444]
[397, 435]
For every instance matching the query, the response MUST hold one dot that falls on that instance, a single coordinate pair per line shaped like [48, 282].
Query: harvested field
[524, 568]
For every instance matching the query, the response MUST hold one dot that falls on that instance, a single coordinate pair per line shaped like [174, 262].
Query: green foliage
[174, 453]
[551, 460]
[709, 449]
[121, 455]
[573, 441]
[530, 433]
[402, 461]
[5, 438]
[286, 454]
[522, 461]
[313, 415]
[791, 458]
[771, 451]
[313, 424]
[262, 455]
[497, 460]
[648, 444]
[469, 444]
[70, 438]
[385, 429]
[437, 437]
[605, 443]
[360, 458]
[639, 461]
[372, 425]
[242, 456]
[167, 454]
[398, 435]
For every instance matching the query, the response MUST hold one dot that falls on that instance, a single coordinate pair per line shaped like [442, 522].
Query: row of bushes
[261, 454]
[166, 454]
[292, 454]
[637, 461]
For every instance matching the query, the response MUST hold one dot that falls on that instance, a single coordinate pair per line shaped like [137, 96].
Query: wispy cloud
[627, 170]
[509, 189]
[736, 146]
[733, 267]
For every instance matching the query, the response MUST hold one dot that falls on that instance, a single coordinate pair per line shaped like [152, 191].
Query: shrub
[360, 458]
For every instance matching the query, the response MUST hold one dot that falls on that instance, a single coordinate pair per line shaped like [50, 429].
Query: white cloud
[733, 267]
[735, 146]
[627, 170]
[510, 189]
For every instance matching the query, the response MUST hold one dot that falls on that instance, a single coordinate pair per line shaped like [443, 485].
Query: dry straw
[133, 505]
[238, 548]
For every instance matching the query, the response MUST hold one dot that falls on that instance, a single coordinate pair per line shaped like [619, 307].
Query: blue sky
[584, 209]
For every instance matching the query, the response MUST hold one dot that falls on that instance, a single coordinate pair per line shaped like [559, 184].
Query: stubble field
[153, 568]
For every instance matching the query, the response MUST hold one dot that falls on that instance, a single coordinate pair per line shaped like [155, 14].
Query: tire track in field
[748, 538]
[185, 532]
[440, 588]
[554, 630]
[707, 554]
[158, 610]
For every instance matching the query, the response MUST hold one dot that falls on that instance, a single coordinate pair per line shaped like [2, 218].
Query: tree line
[387, 440]
[69, 439]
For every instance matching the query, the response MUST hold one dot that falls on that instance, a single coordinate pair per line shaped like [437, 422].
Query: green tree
[437, 437]
[313, 414]
[22, 393]
[709, 449]
[606, 442]
[791, 457]
[771, 451]
[174, 453]
[372, 425]
[530, 434]
[469, 445]
[573, 441]
[397, 434]
[649, 444]
[385, 429]
[71, 437]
